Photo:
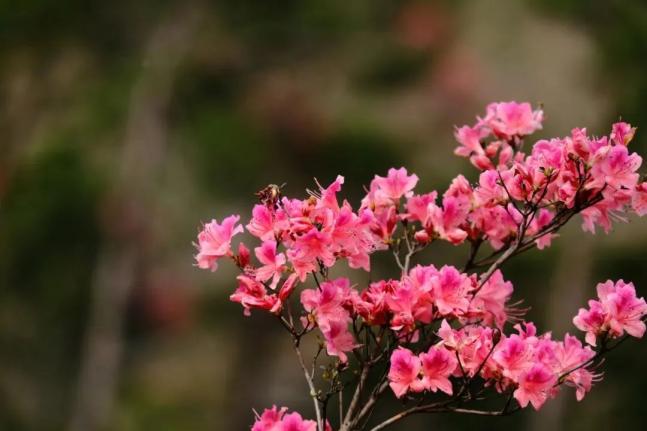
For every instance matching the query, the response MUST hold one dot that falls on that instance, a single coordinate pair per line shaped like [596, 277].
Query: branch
[311, 385]
[356, 397]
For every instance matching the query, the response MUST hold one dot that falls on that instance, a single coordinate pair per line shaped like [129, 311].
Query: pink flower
[252, 294]
[408, 304]
[624, 310]
[496, 222]
[288, 287]
[622, 133]
[508, 119]
[591, 321]
[541, 220]
[490, 191]
[569, 356]
[404, 373]
[616, 168]
[267, 223]
[489, 302]
[602, 213]
[329, 195]
[535, 386]
[294, 422]
[447, 221]
[269, 420]
[328, 307]
[214, 241]
[513, 355]
[450, 288]
[617, 311]
[328, 302]
[417, 207]
[338, 338]
[261, 225]
[384, 223]
[351, 237]
[307, 249]
[396, 184]
[437, 365]
[460, 189]
[469, 139]
[273, 263]
[639, 199]
[243, 258]
[276, 420]
[473, 343]
[371, 304]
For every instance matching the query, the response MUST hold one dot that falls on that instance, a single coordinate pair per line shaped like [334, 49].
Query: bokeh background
[125, 124]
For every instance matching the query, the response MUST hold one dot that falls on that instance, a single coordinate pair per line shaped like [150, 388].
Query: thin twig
[311, 385]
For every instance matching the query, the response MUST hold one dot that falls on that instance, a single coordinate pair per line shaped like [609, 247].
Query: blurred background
[125, 124]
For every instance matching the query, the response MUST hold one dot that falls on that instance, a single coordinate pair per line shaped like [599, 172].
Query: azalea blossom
[437, 365]
[214, 241]
[404, 374]
[535, 386]
[279, 420]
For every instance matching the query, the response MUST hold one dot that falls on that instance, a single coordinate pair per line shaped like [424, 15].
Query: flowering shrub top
[439, 330]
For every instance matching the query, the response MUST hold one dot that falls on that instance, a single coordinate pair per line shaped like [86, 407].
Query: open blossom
[569, 356]
[273, 263]
[617, 311]
[437, 365]
[450, 288]
[448, 220]
[327, 305]
[472, 343]
[371, 303]
[309, 247]
[591, 321]
[616, 168]
[338, 338]
[514, 355]
[622, 133]
[252, 294]
[277, 420]
[396, 184]
[624, 310]
[406, 302]
[214, 241]
[404, 374]
[508, 119]
[489, 303]
[417, 207]
[535, 386]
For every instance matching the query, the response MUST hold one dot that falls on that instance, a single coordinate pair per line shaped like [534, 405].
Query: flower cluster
[597, 176]
[277, 420]
[503, 126]
[439, 329]
[428, 371]
[527, 364]
[617, 311]
[423, 295]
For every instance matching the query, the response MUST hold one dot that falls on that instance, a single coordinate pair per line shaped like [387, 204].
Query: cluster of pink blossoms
[558, 173]
[617, 311]
[277, 420]
[525, 363]
[441, 328]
